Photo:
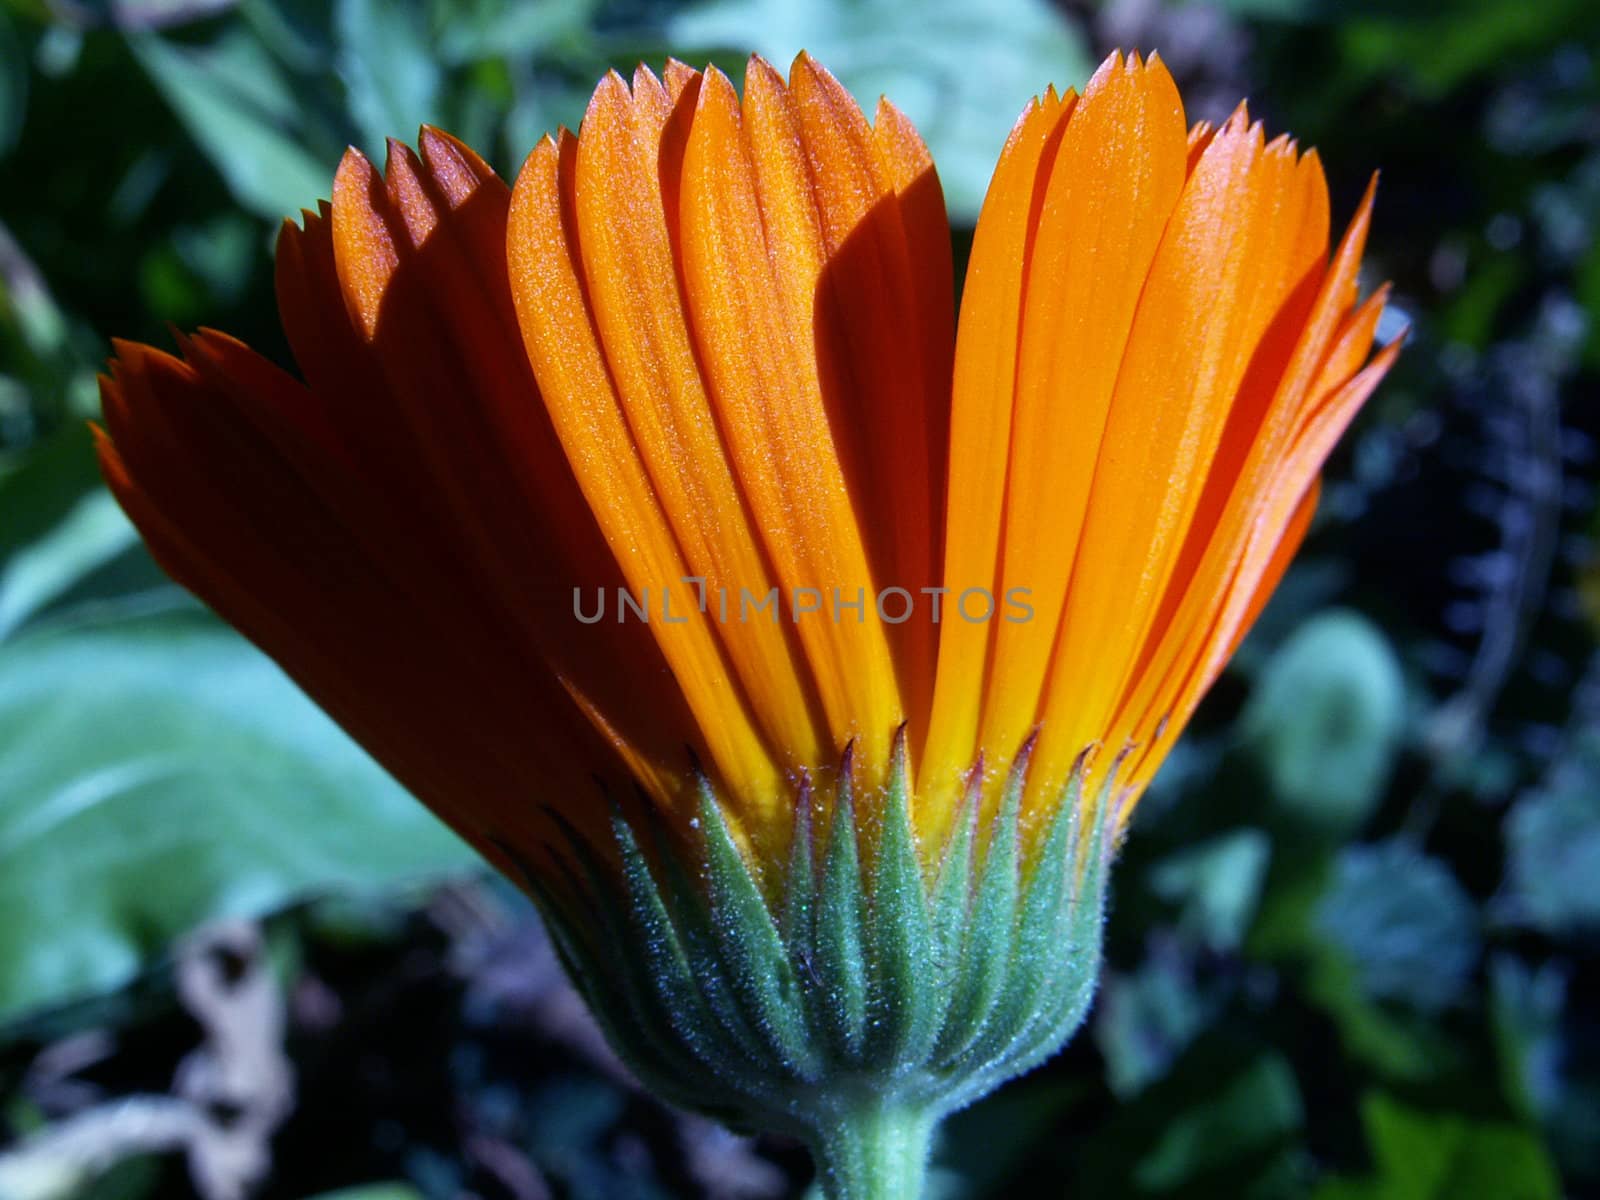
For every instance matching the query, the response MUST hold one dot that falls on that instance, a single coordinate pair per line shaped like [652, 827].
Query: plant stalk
[875, 1150]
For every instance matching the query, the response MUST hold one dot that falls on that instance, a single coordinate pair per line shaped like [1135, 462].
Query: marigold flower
[805, 656]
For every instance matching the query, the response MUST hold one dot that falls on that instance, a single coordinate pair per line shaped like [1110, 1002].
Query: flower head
[666, 473]
[704, 351]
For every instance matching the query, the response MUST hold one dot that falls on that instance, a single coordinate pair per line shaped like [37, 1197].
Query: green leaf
[1525, 1011]
[1403, 920]
[1218, 883]
[61, 527]
[1145, 1019]
[1221, 1123]
[372, 1191]
[962, 72]
[1442, 46]
[986, 1145]
[511, 28]
[1395, 1044]
[1553, 855]
[160, 772]
[1272, 10]
[245, 116]
[1444, 1156]
[13, 84]
[1324, 722]
[1255, 1107]
[389, 67]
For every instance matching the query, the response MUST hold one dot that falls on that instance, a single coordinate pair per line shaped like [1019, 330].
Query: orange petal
[1113, 188]
[875, 318]
[1258, 426]
[985, 375]
[761, 373]
[1232, 255]
[231, 514]
[563, 343]
[627, 250]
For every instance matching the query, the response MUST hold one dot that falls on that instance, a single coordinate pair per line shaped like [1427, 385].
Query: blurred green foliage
[1418, 1155]
[157, 771]
[1353, 953]
[1325, 721]
[961, 71]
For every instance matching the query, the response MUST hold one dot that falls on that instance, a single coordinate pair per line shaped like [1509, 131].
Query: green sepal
[837, 999]
[800, 897]
[752, 949]
[674, 985]
[692, 917]
[986, 949]
[1057, 962]
[951, 905]
[901, 1004]
[629, 1010]
[840, 966]
[1039, 924]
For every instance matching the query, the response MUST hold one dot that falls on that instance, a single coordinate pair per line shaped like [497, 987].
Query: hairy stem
[874, 1150]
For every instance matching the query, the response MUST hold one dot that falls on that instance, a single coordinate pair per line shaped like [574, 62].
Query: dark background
[1353, 945]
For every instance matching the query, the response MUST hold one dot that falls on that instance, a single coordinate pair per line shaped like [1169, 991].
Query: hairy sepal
[865, 972]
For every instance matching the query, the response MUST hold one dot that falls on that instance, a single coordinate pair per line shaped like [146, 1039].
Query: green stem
[876, 1150]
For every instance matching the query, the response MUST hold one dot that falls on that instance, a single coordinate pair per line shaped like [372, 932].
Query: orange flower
[659, 495]
[706, 350]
